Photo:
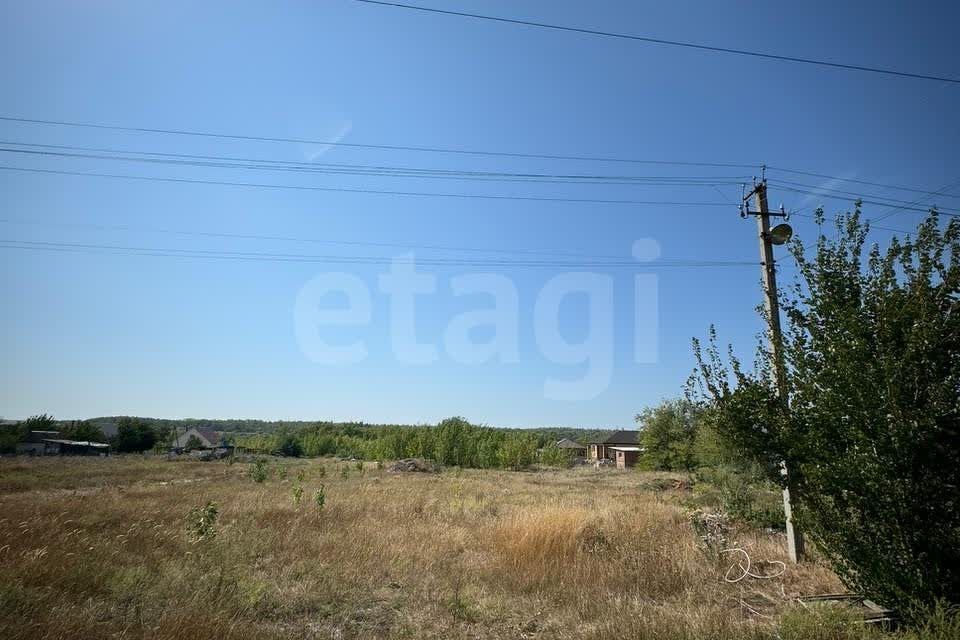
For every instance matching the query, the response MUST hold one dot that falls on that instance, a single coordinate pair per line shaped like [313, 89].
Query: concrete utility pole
[768, 269]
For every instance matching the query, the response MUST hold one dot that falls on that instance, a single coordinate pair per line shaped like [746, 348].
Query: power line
[427, 149]
[939, 192]
[245, 236]
[386, 147]
[357, 260]
[830, 192]
[672, 43]
[853, 180]
[903, 207]
[222, 162]
[366, 191]
[834, 220]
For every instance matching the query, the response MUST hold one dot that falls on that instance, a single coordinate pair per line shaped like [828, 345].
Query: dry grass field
[99, 548]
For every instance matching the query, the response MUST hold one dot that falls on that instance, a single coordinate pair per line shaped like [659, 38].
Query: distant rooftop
[622, 437]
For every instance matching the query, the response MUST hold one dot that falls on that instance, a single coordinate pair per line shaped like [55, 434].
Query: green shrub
[258, 472]
[518, 451]
[201, 522]
[288, 445]
[320, 497]
[744, 495]
[872, 357]
[554, 456]
[668, 436]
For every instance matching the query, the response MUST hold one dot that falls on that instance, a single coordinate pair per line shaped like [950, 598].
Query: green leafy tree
[668, 435]
[288, 445]
[41, 422]
[872, 350]
[454, 442]
[83, 431]
[193, 442]
[164, 436]
[554, 456]
[134, 435]
[10, 435]
[518, 451]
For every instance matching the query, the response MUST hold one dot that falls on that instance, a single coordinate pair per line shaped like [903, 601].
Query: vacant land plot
[97, 548]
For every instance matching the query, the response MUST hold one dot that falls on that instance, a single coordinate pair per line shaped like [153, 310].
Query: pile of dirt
[413, 465]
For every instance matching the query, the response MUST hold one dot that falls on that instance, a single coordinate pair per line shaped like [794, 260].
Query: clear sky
[87, 332]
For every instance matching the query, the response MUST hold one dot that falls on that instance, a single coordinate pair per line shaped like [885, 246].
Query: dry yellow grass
[101, 548]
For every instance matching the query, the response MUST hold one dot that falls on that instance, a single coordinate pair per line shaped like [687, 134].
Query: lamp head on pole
[781, 234]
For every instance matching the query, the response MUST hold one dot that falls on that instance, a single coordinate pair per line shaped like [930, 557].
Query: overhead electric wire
[841, 194]
[247, 236]
[360, 260]
[365, 191]
[672, 43]
[386, 147]
[221, 162]
[428, 149]
[855, 181]
[939, 192]
[834, 220]
[904, 207]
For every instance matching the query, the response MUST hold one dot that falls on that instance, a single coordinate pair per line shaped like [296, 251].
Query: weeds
[581, 553]
[258, 472]
[297, 495]
[320, 497]
[745, 498]
[201, 522]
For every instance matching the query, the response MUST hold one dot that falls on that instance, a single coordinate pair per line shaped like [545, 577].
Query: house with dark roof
[573, 447]
[207, 438]
[620, 446]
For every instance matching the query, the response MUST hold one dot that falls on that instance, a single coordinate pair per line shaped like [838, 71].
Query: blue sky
[86, 333]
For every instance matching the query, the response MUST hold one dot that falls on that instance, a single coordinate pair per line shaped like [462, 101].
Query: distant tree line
[132, 434]
[452, 442]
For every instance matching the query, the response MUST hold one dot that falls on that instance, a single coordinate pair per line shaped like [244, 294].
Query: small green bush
[744, 495]
[258, 472]
[554, 456]
[320, 497]
[201, 522]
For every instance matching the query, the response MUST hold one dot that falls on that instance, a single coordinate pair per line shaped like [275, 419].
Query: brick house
[620, 446]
